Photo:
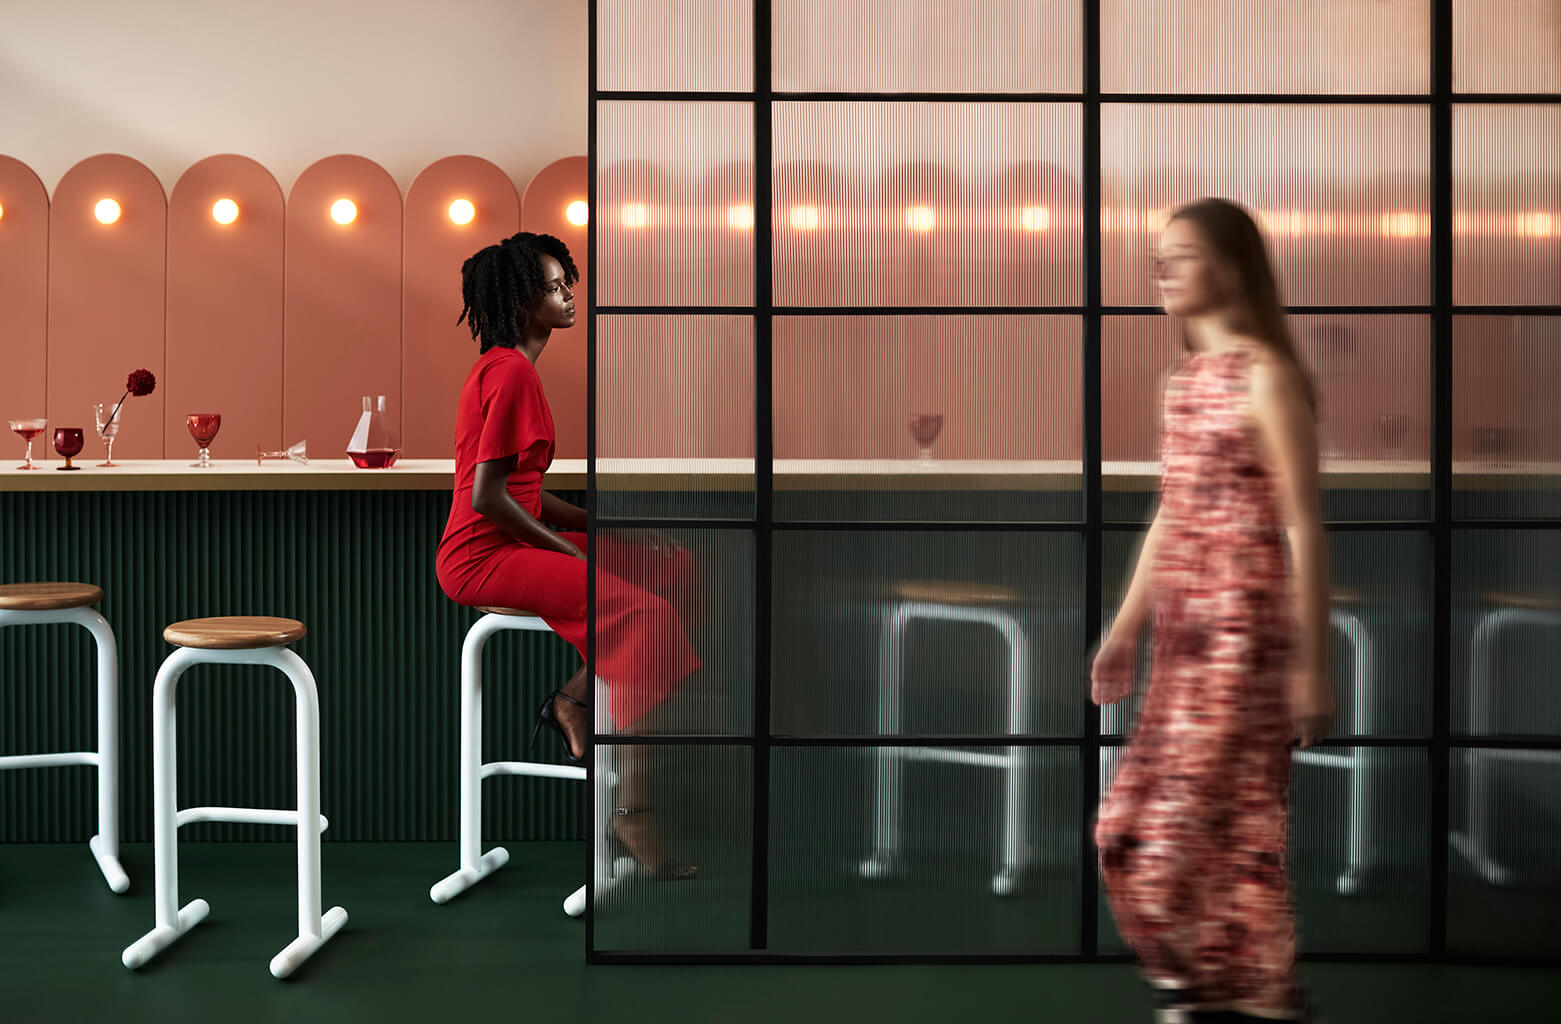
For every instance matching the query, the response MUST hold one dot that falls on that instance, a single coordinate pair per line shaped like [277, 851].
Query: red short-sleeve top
[502, 411]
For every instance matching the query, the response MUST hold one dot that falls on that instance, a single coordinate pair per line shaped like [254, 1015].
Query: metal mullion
[764, 473]
[591, 838]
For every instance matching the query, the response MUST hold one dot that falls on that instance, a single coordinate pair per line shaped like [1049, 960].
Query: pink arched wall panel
[342, 328]
[436, 352]
[106, 291]
[563, 365]
[225, 307]
[24, 295]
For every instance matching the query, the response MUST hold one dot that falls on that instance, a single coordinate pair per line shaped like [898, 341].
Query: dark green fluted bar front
[384, 644]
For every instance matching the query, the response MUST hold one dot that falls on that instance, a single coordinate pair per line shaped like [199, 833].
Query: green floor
[507, 952]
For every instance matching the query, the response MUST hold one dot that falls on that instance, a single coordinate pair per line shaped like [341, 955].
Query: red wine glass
[203, 427]
[68, 442]
[925, 427]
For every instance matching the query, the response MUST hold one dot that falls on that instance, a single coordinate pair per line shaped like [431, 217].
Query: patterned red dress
[641, 649]
[1192, 833]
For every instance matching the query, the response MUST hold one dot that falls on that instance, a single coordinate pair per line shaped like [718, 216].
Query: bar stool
[1512, 611]
[237, 640]
[476, 865]
[974, 604]
[36, 604]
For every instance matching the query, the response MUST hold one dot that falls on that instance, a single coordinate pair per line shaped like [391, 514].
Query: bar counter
[729, 475]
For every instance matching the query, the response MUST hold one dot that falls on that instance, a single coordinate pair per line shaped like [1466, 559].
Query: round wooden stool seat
[494, 610]
[967, 595]
[1530, 601]
[48, 597]
[234, 633]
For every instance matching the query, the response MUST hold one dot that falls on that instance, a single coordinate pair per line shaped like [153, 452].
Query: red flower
[140, 382]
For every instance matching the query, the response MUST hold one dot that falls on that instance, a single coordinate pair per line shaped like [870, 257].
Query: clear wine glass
[68, 441]
[27, 430]
[203, 427]
[299, 453]
[107, 421]
[925, 427]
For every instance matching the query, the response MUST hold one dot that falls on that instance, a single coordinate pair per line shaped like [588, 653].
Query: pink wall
[106, 295]
[436, 352]
[24, 292]
[563, 366]
[224, 341]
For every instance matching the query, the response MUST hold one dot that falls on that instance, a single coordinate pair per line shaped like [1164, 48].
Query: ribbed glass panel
[907, 633]
[1342, 193]
[674, 45]
[926, 204]
[1506, 632]
[1504, 852]
[701, 801]
[1381, 632]
[922, 850]
[1372, 375]
[1265, 46]
[1358, 848]
[1506, 46]
[1507, 204]
[932, 46]
[704, 582]
[1357, 845]
[384, 645]
[1506, 422]
[674, 416]
[675, 204]
[995, 397]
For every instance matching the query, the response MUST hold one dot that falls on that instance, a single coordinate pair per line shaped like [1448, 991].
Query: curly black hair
[501, 283]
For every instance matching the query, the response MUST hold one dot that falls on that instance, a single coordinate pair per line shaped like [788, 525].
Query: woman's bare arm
[491, 497]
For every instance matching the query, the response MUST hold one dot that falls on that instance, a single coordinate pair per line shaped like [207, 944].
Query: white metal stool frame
[476, 865]
[1360, 762]
[882, 860]
[173, 921]
[104, 845]
[1474, 841]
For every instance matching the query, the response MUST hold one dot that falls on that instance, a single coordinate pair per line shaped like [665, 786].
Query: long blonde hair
[1234, 237]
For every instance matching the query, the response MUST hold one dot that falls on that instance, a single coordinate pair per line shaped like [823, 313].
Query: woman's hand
[657, 541]
[1311, 706]
[1111, 674]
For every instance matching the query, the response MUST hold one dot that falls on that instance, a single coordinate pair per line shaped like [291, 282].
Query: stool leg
[1473, 841]
[475, 866]
[172, 921]
[887, 765]
[1015, 773]
[105, 845]
[313, 930]
[1363, 761]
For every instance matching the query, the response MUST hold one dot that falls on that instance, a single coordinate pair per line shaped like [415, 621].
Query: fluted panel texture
[674, 45]
[1506, 422]
[1506, 46]
[1343, 193]
[927, 204]
[384, 644]
[1507, 204]
[1265, 46]
[931, 46]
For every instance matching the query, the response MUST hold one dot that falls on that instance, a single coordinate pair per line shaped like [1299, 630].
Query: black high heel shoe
[666, 869]
[546, 717]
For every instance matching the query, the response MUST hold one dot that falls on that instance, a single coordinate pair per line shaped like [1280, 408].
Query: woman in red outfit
[1192, 833]
[496, 550]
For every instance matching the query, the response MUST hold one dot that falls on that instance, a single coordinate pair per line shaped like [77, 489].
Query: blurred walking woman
[1235, 571]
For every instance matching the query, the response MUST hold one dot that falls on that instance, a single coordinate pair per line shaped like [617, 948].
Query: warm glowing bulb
[344, 211]
[804, 218]
[635, 215]
[107, 211]
[739, 217]
[1536, 225]
[920, 218]
[462, 211]
[2, 210]
[577, 213]
[1154, 220]
[1035, 218]
[224, 211]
